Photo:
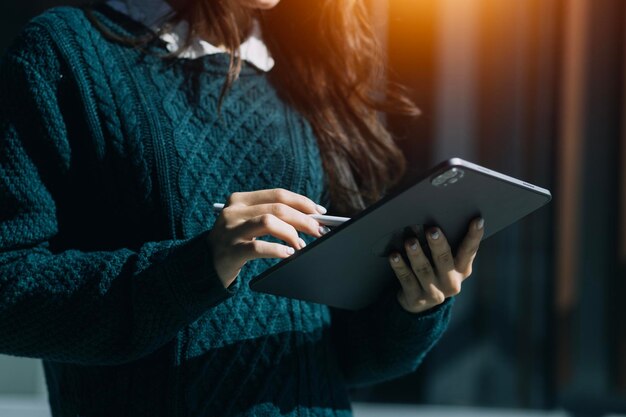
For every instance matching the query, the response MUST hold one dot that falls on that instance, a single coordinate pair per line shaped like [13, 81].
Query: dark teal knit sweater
[110, 159]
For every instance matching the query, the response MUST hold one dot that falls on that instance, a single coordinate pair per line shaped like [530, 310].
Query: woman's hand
[425, 285]
[248, 215]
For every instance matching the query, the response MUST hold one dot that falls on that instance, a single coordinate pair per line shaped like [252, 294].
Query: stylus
[322, 219]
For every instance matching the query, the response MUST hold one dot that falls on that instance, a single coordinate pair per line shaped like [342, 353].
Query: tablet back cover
[348, 267]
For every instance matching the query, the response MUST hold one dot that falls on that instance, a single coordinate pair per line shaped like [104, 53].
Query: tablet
[348, 267]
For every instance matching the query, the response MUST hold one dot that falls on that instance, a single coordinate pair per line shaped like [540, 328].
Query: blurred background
[534, 89]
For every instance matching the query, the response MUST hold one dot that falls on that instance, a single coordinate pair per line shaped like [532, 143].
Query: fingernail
[413, 245]
[324, 230]
[321, 209]
[395, 258]
[480, 224]
[302, 243]
[434, 234]
[290, 250]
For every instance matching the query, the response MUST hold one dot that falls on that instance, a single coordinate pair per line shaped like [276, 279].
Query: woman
[120, 125]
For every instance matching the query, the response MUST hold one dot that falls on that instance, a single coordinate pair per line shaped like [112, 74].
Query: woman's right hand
[249, 215]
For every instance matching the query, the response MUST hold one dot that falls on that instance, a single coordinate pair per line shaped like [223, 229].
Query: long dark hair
[330, 67]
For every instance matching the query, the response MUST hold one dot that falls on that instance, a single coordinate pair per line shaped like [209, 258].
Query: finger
[297, 219]
[268, 224]
[469, 247]
[256, 249]
[449, 280]
[440, 250]
[412, 297]
[423, 270]
[411, 289]
[276, 195]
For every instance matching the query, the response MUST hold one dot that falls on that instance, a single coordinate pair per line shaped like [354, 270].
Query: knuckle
[468, 272]
[438, 297]
[227, 212]
[280, 194]
[445, 258]
[279, 210]
[453, 287]
[233, 198]
[418, 303]
[405, 277]
[266, 220]
[422, 269]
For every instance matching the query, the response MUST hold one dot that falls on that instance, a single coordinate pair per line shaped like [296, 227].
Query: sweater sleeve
[100, 308]
[384, 341]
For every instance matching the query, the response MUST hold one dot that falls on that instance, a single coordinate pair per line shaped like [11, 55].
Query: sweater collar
[154, 13]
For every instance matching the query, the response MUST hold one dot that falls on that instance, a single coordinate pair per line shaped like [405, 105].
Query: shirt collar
[154, 13]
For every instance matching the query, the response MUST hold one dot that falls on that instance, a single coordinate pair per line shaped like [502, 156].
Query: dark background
[535, 89]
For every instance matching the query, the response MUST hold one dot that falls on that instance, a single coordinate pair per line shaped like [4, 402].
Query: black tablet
[348, 267]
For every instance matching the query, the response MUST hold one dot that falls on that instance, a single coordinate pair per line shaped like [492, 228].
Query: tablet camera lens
[449, 177]
[448, 174]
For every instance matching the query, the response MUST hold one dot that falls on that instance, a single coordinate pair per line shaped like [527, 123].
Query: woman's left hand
[425, 285]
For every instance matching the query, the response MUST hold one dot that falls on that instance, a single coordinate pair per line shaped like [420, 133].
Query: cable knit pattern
[110, 160]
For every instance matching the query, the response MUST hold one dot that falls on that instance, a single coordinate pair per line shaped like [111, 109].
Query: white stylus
[322, 219]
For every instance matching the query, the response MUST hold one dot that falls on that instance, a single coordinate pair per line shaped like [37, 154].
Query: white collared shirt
[153, 14]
